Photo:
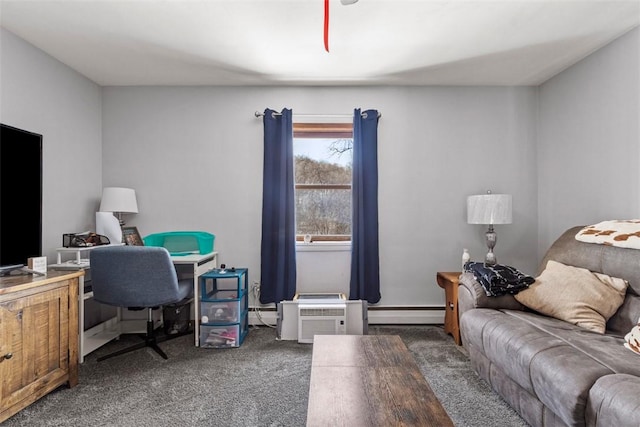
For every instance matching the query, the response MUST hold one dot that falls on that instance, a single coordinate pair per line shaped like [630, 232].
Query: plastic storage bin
[224, 308]
[223, 336]
[182, 242]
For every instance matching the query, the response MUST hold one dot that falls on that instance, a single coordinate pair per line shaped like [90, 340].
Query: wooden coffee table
[369, 380]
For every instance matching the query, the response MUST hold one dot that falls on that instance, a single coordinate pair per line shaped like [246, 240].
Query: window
[323, 154]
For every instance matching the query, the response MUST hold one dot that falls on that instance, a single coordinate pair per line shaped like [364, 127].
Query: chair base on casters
[150, 340]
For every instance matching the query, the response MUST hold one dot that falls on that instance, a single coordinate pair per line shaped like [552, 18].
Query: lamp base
[492, 238]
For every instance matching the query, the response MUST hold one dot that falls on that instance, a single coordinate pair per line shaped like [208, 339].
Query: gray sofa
[551, 372]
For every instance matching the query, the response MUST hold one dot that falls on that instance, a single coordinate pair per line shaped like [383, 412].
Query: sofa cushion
[543, 365]
[553, 360]
[575, 295]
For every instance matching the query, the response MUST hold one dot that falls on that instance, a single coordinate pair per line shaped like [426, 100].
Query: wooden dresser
[38, 337]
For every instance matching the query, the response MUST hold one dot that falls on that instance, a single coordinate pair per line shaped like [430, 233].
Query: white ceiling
[280, 42]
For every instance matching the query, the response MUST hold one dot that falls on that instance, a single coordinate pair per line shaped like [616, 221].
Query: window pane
[322, 161]
[323, 212]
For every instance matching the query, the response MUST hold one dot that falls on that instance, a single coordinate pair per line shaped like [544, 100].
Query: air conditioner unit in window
[321, 319]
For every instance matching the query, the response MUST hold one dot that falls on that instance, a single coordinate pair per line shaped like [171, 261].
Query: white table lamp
[489, 209]
[119, 200]
[115, 200]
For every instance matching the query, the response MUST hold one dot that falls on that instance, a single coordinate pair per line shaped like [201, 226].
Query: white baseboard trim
[266, 317]
[407, 317]
[376, 316]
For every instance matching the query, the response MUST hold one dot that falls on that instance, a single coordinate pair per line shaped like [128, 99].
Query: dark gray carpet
[264, 382]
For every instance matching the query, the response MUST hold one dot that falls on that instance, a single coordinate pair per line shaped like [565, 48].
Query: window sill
[323, 247]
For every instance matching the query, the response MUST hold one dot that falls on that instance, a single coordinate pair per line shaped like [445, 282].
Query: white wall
[194, 156]
[589, 141]
[42, 95]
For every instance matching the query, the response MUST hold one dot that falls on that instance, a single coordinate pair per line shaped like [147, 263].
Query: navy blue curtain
[278, 250]
[365, 266]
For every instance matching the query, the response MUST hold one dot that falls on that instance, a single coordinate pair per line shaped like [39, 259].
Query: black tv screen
[20, 195]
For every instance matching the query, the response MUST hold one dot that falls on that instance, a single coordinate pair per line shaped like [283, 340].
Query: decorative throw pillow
[632, 339]
[575, 295]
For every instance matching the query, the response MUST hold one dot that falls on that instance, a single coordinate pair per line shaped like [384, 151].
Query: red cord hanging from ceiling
[326, 25]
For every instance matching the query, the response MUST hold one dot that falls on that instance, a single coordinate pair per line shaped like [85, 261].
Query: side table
[448, 280]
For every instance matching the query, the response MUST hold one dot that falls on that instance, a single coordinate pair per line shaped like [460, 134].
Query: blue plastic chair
[138, 277]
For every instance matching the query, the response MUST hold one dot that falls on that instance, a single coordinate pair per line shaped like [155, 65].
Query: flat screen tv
[20, 196]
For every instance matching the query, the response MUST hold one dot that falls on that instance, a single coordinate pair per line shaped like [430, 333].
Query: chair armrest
[472, 295]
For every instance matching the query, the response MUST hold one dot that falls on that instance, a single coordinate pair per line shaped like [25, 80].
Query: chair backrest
[133, 276]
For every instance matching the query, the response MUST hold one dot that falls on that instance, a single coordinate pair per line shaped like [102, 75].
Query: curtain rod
[328, 116]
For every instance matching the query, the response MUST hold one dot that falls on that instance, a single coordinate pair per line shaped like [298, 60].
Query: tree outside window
[323, 154]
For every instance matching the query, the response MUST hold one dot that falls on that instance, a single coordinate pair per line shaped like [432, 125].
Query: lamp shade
[118, 199]
[489, 209]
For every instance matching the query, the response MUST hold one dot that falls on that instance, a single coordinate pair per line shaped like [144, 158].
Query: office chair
[137, 277]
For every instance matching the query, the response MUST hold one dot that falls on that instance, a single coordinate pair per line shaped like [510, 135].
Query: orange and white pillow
[632, 339]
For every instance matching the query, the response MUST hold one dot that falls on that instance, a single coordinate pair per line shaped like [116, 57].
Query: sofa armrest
[613, 401]
[472, 295]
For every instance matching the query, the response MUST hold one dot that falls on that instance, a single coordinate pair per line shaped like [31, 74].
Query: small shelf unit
[224, 307]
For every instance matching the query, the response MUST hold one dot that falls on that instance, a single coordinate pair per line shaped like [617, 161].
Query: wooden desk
[369, 380]
[449, 282]
[38, 337]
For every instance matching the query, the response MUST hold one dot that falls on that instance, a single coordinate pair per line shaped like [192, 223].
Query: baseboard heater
[320, 314]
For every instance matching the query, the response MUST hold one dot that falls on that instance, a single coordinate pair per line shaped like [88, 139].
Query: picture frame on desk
[131, 236]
